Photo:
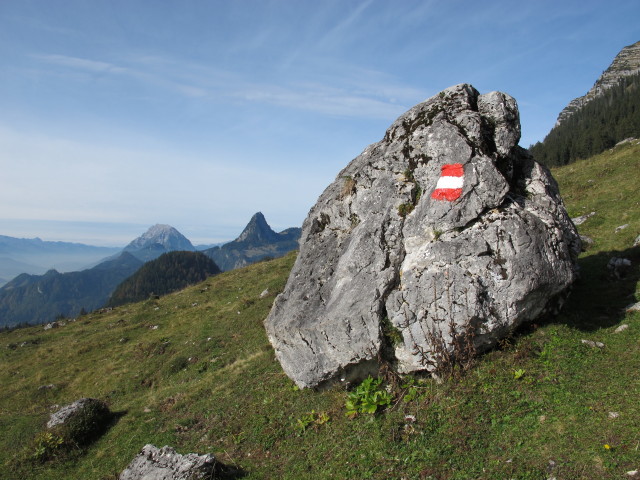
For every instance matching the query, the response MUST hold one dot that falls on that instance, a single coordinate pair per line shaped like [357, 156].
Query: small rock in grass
[82, 421]
[264, 293]
[592, 344]
[621, 328]
[621, 227]
[614, 414]
[586, 242]
[582, 218]
[634, 307]
[165, 464]
[619, 267]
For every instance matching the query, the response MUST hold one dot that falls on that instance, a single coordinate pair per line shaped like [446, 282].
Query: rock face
[444, 226]
[626, 63]
[154, 463]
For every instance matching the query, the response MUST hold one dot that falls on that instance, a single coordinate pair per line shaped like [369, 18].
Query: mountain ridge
[626, 63]
[36, 256]
[34, 299]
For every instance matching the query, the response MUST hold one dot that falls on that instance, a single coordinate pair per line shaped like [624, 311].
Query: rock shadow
[600, 296]
[228, 472]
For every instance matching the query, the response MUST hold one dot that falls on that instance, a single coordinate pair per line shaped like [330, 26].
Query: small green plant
[410, 390]
[46, 446]
[390, 332]
[367, 397]
[309, 419]
[437, 234]
[405, 209]
[519, 373]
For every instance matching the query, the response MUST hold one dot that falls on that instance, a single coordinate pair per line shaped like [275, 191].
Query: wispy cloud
[82, 64]
[346, 91]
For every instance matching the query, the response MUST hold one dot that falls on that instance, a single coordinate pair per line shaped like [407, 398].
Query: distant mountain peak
[157, 240]
[256, 242]
[257, 231]
[164, 235]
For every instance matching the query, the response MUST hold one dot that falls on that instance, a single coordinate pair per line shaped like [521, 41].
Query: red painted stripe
[449, 194]
[452, 170]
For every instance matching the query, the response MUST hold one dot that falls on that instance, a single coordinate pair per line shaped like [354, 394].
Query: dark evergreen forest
[597, 126]
[168, 273]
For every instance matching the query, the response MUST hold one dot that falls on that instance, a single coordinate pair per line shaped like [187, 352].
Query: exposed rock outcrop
[444, 226]
[154, 463]
[626, 63]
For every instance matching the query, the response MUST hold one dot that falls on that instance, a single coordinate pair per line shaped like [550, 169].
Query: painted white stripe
[450, 182]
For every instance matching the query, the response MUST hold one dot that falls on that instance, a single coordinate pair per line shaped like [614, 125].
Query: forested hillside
[34, 299]
[597, 126]
[170, 272]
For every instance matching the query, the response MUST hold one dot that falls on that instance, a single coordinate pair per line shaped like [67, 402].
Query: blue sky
[119, 114]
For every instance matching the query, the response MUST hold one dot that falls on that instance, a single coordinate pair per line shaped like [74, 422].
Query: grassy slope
[205, 379]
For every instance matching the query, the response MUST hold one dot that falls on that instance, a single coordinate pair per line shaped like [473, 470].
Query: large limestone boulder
[443, 229]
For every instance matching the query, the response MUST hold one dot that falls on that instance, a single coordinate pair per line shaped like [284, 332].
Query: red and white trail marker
[449, 186]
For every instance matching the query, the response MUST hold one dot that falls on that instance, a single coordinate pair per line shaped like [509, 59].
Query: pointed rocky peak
[257, 231]
[164, 236]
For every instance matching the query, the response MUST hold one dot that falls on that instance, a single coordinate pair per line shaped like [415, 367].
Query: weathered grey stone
[81, 422]
[378, 249]
[83, 407]
[582, 218]
[592, 344]
[618, 267]
[154, 463]
[634, 307]
[586, 241]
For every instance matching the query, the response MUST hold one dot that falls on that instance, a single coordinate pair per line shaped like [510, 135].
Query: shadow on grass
[226, 472]
[599, 298]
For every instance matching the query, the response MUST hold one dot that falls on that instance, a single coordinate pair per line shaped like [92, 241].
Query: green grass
[206, 380]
